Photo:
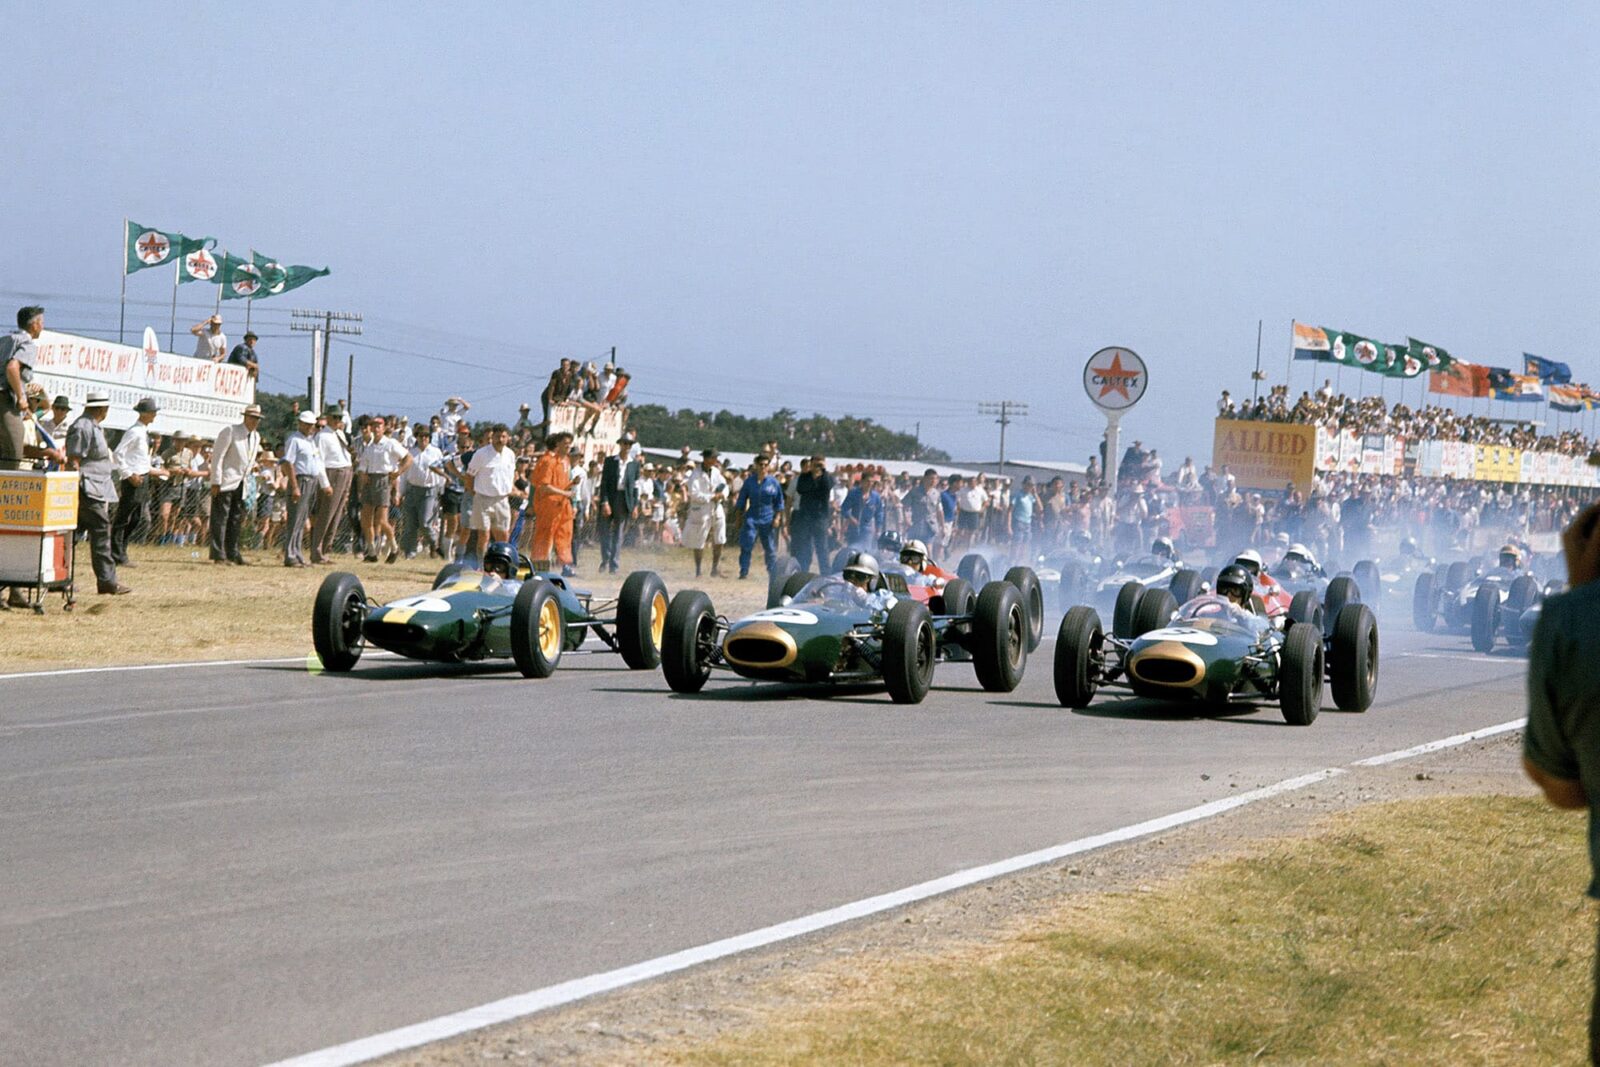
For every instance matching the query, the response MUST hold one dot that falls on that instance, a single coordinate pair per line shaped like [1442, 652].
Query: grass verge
[1445, 930]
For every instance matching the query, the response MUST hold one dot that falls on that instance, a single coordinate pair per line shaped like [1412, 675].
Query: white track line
[1435, 746]
[192, 664]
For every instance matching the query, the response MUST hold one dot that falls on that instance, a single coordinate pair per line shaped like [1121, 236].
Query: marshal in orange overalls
[552, 515]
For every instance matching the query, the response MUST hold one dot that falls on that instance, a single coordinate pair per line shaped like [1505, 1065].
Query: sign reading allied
[1266, 455]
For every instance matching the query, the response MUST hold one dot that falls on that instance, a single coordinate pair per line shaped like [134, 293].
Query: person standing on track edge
[232, 458]
[1561, 745]
[90, 456]
[553, 496]
[619, 499]
[761, 500]
[808, 532]
[132, 459]
[302, 463]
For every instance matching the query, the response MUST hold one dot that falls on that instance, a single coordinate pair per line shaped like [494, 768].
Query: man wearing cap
[707, 520]
[57, 422]
[210, 342]
[244, 355]
[302, 463]
[233, 457]
[90, 455]
[18, 352]
[619, 499]
[452, 414]
[334, 444]
[132, 461]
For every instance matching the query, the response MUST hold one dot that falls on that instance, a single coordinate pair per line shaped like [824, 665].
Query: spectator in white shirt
[422, 481]
[210, 342]
[707, 521]
[582, 496]
[232, 458]
[490, 477]
[302, 463]
[450, 416]
[381, 462]
[132, 461]
[55, 424]
[334, 444]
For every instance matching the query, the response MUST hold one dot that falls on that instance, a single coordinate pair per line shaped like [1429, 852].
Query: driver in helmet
[500, 559]
[1510, 557]
[1250, 560]
[863, 573]
[1299, 553]
[1235, 588]
[1162, 549]
[1408, 547]
[914, 554]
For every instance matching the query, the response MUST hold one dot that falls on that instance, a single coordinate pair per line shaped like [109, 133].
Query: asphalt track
[244, 863]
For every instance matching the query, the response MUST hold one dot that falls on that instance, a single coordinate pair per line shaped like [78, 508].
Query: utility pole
[322, 325]
[1009, 411]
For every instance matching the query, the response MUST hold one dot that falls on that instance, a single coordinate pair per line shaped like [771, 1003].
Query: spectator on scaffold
[453, 414]
[379, 466]
[422, 482]
[553, 498]
[132, 461]
[813, 509]
[619, 500]
[490, 478]
[244, 355]
[334, 444]
[90, 455]
[233, 461]
[302, 465]
[707, 518]
[18, 351]
[209, 340]
[761, 500]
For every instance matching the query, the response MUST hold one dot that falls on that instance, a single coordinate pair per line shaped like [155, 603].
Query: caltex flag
[1402, 363]
[1546, 370]
[240, 279]
[1311, 342]
[201, 265]
[1432, 357]
[276, 278]
[1354, 351]
[157, 248]
[1459, 378]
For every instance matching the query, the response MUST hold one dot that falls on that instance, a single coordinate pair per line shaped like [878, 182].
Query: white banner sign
[196, 395]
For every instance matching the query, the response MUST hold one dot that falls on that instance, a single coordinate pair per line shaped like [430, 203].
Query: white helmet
[1250, 560]
[1299, 552]
[913, 547]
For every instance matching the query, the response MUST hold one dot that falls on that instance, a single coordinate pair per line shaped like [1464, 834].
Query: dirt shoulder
[671, 1017]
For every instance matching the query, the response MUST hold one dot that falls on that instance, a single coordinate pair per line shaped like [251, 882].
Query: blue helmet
[501, 559]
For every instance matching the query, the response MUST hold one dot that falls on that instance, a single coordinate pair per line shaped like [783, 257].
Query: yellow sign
[34, 500]
[1497, 463]
[1266, 455]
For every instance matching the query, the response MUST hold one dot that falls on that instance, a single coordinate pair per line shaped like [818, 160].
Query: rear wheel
[958, 598]
[1485, 616]
[796, 582]
[1300, 675]
[688, 641]
[447, 573]
[1078, 640]
[1353, 661]
[1341, 591]
[781, 570]
[336, 619]
[975, 569]
[1422, 616]
[642, 619]
[1522, 595]
[538, 629]
[1154, 610]
[1122, 614]
[1027, 584]
[999, 642]
[1455, 576]
[908, 652]
[1305, 608]
[1185, 586]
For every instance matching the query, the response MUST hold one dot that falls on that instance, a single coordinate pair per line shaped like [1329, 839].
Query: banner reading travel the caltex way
[196, 395]
[1266, 455]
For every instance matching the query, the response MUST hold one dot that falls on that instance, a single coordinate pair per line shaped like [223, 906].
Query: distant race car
[1385, 578]
[830, 631]
[1119, 590]
[1212, 651]
[471, 615]
[1464, 596]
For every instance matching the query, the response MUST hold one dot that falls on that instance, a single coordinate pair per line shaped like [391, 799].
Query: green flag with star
[1360, 352]
[1432, 357]
[149, 247]
[240, 279]
[277, 278]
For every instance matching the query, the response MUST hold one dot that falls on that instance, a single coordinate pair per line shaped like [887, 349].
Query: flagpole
[221, 277]
[122, 314]
[250, 299]
[172, 328]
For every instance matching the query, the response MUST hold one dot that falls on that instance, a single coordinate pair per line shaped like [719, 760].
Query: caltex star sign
[1115, 378]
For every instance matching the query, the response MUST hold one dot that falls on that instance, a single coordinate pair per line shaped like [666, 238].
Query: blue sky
[894, 210]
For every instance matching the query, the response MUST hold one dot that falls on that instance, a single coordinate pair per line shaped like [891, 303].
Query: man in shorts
[707, 521]
[490, 477]
[381, 462]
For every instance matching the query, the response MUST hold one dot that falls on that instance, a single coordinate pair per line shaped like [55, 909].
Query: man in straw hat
[232, 459]
[90, 455]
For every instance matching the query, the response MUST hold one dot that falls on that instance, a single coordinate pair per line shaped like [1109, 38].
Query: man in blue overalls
[761, 498]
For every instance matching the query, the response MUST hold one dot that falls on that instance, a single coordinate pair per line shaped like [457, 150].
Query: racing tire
[781, 569]
[447, 573]
[1300, 667]
[1523, 594]
[538, 629]
[1485, 617]
[1341, 591]
[1027, 584]
[1305, 608]
[1368, 581]
[999, 642]
[840, 558]
[1122, 614]
[1185, 586]
[1154, 610]
[688, 641]
[336, 618]
[909, 650]
[958, 598]
[1455, 576]
[796, 582]
[1422, 606]
[642, 620]
[974, 568]
[1078, 639]
[1353, 658]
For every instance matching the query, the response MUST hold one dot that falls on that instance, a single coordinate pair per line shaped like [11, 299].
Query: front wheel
[538, 629]
[688, 641]
[1122, 613]
[1154, 610]
[974, 568]
[641, 619]
[1078, 640]
[1185, 586]
[999, 641]
[1028, 588]
[1422, 614]
[1300, 675]
[908, 652]
[336, 620]
[1353, 662]
[1485, 617]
